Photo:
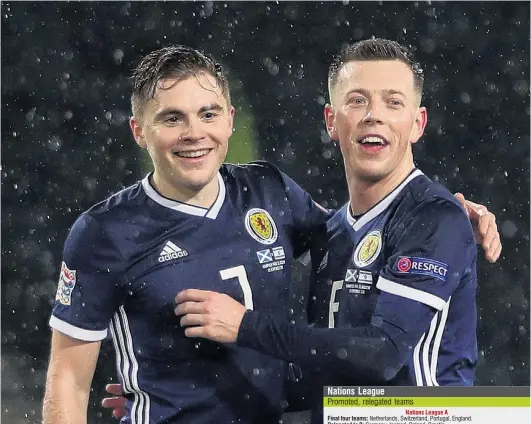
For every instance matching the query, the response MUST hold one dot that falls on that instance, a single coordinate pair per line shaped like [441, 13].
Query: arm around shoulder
[70, 372]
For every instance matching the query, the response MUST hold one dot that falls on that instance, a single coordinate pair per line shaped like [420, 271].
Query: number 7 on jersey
[240, 273]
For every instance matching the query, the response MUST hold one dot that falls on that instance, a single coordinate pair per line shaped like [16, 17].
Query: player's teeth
[195, 154]
[375, 140]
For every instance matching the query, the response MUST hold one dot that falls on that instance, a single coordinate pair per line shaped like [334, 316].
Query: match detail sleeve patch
[67, 282]
[421, 266]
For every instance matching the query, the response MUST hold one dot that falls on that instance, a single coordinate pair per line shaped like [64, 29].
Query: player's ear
[136, 128]
[232, 112]
[421, 118]
[330, 121]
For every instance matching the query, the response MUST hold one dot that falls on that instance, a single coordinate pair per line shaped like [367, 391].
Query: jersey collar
[211, 212]
[380, 206]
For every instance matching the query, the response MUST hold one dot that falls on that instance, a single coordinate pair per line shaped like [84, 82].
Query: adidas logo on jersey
[171, 251]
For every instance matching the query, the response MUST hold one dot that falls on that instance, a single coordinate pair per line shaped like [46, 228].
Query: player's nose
[374, 113]
[193, 131]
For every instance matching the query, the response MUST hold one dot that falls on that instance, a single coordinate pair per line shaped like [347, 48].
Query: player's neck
[203, 198]
[365, 194]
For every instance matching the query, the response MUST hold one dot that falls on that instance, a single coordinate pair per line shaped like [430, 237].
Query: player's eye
[356, 101]
[395, 103]
[172, 120]
[208, 116]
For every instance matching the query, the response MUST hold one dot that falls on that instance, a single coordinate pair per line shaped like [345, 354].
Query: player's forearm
[362, 353]
[64, 404]
[70, 372]
[58, 409]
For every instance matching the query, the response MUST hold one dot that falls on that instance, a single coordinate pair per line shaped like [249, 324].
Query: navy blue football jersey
[125, 260]
[398, 288]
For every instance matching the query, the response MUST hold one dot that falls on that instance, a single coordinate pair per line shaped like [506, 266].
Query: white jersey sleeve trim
[410, 293]
[76, 332]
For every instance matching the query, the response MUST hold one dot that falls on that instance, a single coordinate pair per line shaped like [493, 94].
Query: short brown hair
[375, 49]
[175, 61]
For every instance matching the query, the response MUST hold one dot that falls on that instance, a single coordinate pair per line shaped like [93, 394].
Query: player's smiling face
[375, 116]
[186, 129]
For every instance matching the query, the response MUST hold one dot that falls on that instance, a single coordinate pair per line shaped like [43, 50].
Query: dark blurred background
[66, 142]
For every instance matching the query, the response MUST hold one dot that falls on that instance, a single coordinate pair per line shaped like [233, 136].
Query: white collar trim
[381, 206]
[211, 213]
